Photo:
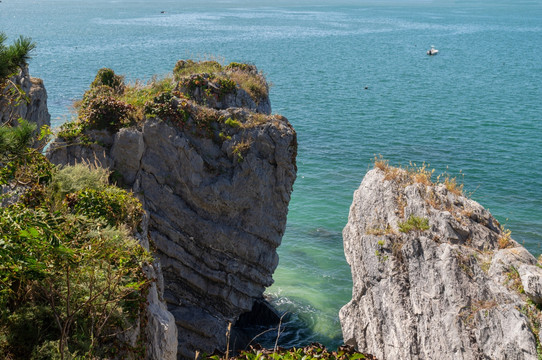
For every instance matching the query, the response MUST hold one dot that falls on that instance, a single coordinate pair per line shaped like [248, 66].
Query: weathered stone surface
[217, 206]
[448, 292]
[35, 109]
[531, 279]
[127, 151]
[216, 221]
[160, 329]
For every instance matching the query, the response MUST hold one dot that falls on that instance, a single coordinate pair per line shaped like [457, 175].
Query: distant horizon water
[354, 79]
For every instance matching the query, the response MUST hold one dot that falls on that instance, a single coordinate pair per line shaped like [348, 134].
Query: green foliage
[70, 131]
[138, 95]
[233, 123]
[235, 66]
[106, 112]
[314, 351]
[165, 108]
[71, 179]
[189, 67]
[70, 275]
[26, 169]
[26, 326]
[414, 223]
[107, 77]
[116, 206]
[14, 56]
[14, 141]
[253, 83]
[86, 272]
[226, 85]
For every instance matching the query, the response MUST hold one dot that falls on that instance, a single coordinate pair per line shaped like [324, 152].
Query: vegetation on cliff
[313, 351]
[71, 279]
[14, 55]
[191, 98]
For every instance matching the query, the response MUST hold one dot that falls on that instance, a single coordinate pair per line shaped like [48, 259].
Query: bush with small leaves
[106, 112]
[107, 77]
[116, 206]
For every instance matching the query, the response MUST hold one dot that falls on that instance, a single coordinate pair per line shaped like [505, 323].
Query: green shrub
[70, 131]
[414, 223]
[138, 95]
[25, 326]
[254, 84]
[15, 140]
[115, 205]
[226, 86]
[42, 255]
[30, 168]
[233, 123]
[163, 107]
[235, 66]
[106, 112]
[314, 351]
[107, 77]
[71, 179]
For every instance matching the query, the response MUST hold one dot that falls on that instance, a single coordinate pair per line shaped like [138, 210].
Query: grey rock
[70, 153]
[531, 279]
[160, 329]
[447, 292]
[127, 151]
[216, 222]
[35, 109]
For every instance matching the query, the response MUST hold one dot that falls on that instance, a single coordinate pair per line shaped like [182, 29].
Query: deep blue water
[476, 108]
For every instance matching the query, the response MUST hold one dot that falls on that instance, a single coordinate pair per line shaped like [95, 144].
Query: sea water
[355, 81]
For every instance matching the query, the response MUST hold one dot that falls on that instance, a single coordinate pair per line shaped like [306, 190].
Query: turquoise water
[476, 108]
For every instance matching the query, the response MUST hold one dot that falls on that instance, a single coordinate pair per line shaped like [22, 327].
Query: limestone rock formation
[35, 109]
[216, 184]
[435, 276]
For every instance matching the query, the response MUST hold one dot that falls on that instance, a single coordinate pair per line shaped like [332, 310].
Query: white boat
[432, 51]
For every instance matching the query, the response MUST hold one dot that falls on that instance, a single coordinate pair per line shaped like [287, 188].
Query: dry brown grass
[433, 201]
[413, 174]
[255, 119]
[381, 163]
[452, 186]
[420, 174]
[254, 85]
[504, 240]
[240, 149]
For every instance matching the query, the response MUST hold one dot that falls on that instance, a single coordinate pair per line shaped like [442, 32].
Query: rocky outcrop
[217, 201]
[435, 276]
[32, 104]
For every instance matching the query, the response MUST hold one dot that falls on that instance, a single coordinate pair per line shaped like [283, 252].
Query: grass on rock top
[416, 174]
[111, 104]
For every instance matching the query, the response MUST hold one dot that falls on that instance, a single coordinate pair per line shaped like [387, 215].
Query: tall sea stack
[435, 275]
[215, 173]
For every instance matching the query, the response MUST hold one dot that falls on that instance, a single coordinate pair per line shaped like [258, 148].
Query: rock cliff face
[435, 276]
[35, 109]
[217, 203]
